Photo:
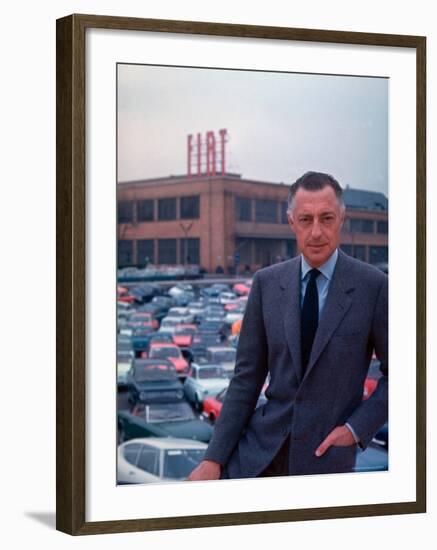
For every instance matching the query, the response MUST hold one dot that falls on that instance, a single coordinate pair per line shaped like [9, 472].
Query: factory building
[219, 220]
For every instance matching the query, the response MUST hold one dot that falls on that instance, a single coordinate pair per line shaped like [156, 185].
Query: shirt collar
[327, 269]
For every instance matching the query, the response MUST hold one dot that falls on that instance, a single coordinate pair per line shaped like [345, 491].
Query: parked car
[150, 380]
[373, 459]
[214, 327]
[140, 339]
[171, 352]
[225, 356]
[183, 335]
[204, 380]
[172, 419]
[124, 344]
[232, 316]
[169, 324]
[123, 366]
[381, 438]
[228, 298]
[161, 337]
[182, 313]
[142, 319]
[213, 405]
[123, 295]
[242, 289]
[155, 459]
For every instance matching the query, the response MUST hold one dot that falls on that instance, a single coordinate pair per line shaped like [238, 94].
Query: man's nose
[316, 230]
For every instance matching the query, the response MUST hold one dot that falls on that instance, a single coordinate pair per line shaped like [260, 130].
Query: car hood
[187, 429]
[157, 385]
[214, 385]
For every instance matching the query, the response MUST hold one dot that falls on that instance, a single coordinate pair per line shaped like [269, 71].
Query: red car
[369, 387]
[123, 295]
[141, 320]
[213, 405]
[183, 335]
[242, 289]
[172, 352]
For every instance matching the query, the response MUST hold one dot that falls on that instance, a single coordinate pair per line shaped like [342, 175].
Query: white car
[205, 380]
[232, 316]
[169, 324]
[181, 313]
[123, 367]
[155, 459]
[225, 356]
[228, 298]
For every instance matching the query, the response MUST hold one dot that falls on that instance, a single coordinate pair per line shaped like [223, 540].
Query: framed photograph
[184, 152]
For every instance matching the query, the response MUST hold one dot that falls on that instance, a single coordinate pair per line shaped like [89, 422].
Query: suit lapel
[290, 306]
[338, 302]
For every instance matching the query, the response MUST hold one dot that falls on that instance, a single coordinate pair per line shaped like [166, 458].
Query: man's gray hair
[315, 181]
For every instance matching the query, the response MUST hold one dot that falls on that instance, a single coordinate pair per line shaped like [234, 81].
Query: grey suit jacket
[306, 406]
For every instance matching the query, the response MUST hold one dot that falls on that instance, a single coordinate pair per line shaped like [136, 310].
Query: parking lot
[176, 352]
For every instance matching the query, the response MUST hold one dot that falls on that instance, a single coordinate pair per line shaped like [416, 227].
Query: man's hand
[207, 470]
[340, 436]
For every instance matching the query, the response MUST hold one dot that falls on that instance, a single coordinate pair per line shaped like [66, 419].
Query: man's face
[316, 221]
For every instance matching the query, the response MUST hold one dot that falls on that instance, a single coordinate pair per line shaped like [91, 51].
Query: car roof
[163, 345]
[169, 443]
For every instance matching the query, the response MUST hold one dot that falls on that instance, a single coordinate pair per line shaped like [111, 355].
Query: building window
[378, 254]
[190, 208]
[243, 209]
[125, 212]
[125, 253]
[145, 211]
[145, 252]
[284, 208]
[167, 251]
[382, 227]
[358, 225]
[190, 254]
[167, 209]
[265, 211]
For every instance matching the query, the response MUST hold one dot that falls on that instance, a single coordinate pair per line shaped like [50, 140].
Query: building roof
[365, 200]
[358, 199]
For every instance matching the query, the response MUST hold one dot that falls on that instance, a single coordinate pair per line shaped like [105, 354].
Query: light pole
[185, 229]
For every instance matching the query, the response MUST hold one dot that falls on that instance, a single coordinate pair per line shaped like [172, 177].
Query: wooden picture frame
[71, 272]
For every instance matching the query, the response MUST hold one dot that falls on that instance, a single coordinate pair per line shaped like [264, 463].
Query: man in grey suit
[312, 324]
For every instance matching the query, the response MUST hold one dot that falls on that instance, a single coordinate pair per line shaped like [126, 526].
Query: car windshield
[144, 373]
[179, 463]
[162, 353]
[161, 337]
[144, 318]
[185, 331]
[224, 356]
[211, 372]
[169, 322]
[164, 412]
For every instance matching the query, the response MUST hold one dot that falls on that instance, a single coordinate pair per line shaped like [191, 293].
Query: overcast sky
[280, 125]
